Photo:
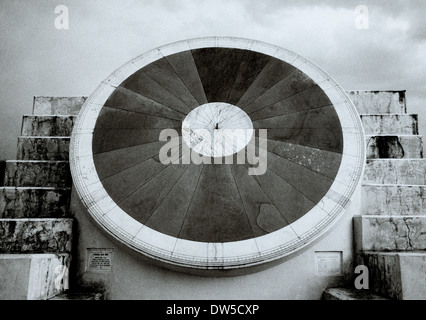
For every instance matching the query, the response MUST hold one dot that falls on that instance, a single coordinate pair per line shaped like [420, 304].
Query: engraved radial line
[293, 112]
[299, 145]
[199, 77]
[224, 115]
[266, 195]
[153, 177]
[181, 80]
[135, 145]
[189, 203]
[301, 165]
[190, 71]
[304, 195]
[244, 206]
[137, 93]
[234, 120]
[288, 97]
[302, 145]
[260, 74]
[165, 196]
[183, 102]
[236, 75]
[147, 114]
[242, 115]
[134, 165]
[285, 77]
[201, 116]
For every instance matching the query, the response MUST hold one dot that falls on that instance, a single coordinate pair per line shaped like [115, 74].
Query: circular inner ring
[217, 129]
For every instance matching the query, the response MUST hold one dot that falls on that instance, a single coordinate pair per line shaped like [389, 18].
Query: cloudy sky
[36, 59]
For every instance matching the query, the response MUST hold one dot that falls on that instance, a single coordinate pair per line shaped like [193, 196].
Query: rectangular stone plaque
[99, 260]
[328, 263]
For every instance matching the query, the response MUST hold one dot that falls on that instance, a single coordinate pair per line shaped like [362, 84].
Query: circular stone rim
[228, 255]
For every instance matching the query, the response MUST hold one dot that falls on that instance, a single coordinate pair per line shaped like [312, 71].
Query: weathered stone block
[376, 102]
[395, 171]
[393, 200]
[58, 105]
[24, 202]
[390, 124]
[33, 276]
[399, 275]
[392, 146]
[42, 148]
[350, 294]
[390, 233]
[47, 125]
[50, 235]
[37, 174]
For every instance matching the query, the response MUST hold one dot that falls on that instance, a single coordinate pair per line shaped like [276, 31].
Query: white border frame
[228, 255]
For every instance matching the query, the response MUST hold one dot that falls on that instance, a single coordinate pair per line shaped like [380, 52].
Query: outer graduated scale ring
[217, 216]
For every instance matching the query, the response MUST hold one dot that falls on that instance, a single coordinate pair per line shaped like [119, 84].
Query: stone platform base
[33, 276]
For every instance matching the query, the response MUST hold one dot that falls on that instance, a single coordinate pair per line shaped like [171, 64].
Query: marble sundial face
[217, 129]
[216, 216]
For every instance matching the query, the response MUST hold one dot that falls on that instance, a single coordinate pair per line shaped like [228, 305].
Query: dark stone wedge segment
[125, 99]
[184, 65]
[112, 162]
[261, 212]
[112, 118]
[290, 202]
[107, 140]
[216, 213]
[169, 216]
[143, 202]
[273, 72]
[144, 85]
[163, 73]
[291, 84]
[217, 68]
[311, 98]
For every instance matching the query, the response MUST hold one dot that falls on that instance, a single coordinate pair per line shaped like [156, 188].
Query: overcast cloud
[36, 59]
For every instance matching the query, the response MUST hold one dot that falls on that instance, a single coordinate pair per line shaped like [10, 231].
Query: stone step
[43, 148]
[79, 296]
[46, 125]
[378, 101]
[376, 124]
[2, 171]
[379, 199]
[34, 202]
[48, 235]
[399, 275]
[36, 173]
[350, 294]
[395, 171]
[33, 276]
[58, 105]
[393, 146]
[390, 233]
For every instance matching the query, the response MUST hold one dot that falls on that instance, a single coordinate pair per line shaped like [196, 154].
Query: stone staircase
[35, 224]
[390, 232]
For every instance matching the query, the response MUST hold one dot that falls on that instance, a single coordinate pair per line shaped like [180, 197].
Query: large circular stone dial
[217, 214]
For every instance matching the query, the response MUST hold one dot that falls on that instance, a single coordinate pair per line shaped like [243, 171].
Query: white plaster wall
[134, 278]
